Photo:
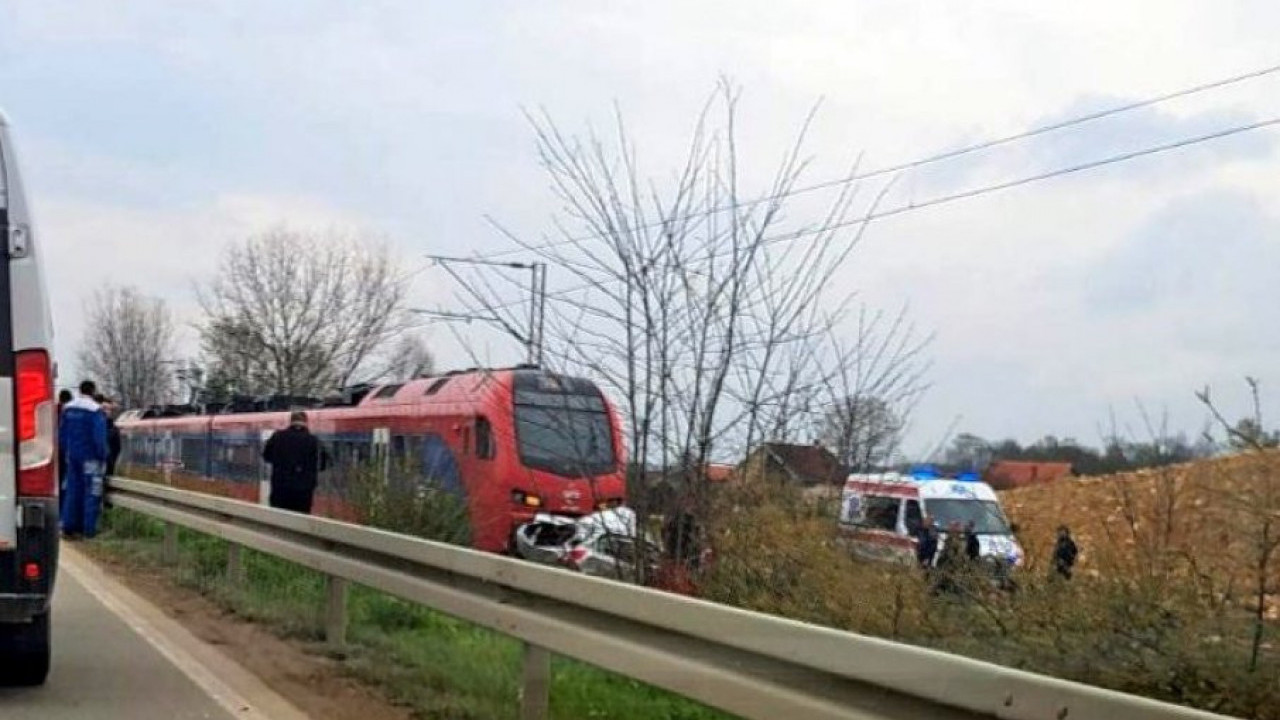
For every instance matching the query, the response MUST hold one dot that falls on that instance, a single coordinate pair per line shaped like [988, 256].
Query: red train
[512, 442]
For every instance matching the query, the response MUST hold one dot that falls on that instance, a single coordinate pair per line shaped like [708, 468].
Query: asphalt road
[108, 663]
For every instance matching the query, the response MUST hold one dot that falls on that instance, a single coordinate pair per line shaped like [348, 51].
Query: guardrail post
[169, 548]
[335, 617]
[535, 689]
[235, 565]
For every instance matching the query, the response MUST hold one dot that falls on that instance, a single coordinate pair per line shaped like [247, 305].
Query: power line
[975, 192]
[928, 160]
[1122, 157]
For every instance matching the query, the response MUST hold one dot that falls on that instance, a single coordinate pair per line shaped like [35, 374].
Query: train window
[397, 446]
[434, 387]
[484, 439]
[388, 391]
[413, 451]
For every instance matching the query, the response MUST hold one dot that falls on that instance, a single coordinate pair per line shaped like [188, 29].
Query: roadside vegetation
[1175, 596]
[436, 665]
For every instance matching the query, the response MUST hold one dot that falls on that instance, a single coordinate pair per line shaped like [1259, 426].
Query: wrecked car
[602, 544]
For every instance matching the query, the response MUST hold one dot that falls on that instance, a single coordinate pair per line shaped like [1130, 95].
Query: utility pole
[530, 336]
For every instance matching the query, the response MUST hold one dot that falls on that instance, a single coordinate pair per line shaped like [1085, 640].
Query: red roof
[1006, 474]
[717, 472]
[808, 464]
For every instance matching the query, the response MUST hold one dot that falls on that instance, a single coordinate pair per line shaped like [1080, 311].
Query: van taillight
[35, 423]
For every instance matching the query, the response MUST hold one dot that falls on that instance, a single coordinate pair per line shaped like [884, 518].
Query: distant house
[719, 472]
[1009, 474]
[661, 488]
[806, 465]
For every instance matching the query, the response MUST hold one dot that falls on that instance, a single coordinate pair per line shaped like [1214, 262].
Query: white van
[881, 513]
[28, 439]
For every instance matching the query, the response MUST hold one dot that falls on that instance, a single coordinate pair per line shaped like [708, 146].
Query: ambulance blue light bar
[924, 472]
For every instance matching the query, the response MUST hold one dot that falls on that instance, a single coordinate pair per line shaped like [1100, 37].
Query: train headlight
[520, 497]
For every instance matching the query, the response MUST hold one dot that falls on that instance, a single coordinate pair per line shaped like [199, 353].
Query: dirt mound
[1210, 520]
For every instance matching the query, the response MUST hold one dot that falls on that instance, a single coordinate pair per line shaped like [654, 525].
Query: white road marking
[220, 677]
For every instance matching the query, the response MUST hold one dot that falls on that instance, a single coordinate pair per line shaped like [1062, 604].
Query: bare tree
[408, 358]
[707, 313]
[881, 376]
[230, 356]
[128, 338]
[862, 430]
[300, 313]
[1257, 505]
[968, 450]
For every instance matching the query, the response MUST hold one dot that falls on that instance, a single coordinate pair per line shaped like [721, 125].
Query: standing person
[64, 397]
[926, 543]
[972, 546]
[1064, 553]
[83, 438]
[296, 462]
[951, 560]
[113, 434]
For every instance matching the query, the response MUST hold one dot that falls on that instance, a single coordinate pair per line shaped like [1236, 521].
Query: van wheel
[25, 651]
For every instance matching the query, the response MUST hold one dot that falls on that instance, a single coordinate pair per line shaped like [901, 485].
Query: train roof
[450, 386]
[467, 382]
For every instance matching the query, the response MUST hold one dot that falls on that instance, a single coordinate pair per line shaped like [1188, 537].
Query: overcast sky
[154, 132]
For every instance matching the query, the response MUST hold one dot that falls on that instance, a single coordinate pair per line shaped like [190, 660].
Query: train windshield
[562, 433]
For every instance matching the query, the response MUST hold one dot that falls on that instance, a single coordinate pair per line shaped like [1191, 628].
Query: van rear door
[28, 472]
[8, 445]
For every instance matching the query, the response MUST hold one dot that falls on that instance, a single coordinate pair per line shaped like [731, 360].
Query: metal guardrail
[747, 663]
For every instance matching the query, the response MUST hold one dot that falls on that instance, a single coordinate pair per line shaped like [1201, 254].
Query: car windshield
[571, 438]
[986, 515]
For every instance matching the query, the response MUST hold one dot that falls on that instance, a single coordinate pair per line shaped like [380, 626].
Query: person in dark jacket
[972, 546]
[926, 543]
[113, 434]
[83, 439]
[1064, 553]
[64, 397]
[950, 565]
[297, 459]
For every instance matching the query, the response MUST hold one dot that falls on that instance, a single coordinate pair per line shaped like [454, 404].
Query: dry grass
[1198, 523]
[1164, 605]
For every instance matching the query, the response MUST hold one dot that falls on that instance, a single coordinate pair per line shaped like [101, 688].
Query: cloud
[164, 254]
[1113, 136]
[1214, 252]
[155, 133]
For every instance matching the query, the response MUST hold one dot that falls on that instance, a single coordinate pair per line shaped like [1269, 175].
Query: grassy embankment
[438, 666]
[1175, 596]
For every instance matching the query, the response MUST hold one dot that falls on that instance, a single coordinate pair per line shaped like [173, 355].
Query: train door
[209, 450]
[382, 451]
[264, 470]
[168, 455]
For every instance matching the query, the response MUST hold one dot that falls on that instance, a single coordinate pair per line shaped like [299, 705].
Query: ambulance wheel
[25, 652]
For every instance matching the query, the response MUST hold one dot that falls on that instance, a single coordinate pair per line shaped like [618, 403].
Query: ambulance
[880, 515]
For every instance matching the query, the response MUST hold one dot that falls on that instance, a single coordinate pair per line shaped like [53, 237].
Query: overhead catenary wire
[927, 160]
[971, 193]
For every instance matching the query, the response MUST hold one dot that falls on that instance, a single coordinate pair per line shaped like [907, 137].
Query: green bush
[398, 498]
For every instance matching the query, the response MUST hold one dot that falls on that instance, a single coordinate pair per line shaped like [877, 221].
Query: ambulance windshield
[986, 516]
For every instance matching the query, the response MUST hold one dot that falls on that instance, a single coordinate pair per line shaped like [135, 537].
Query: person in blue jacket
[83, 439]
